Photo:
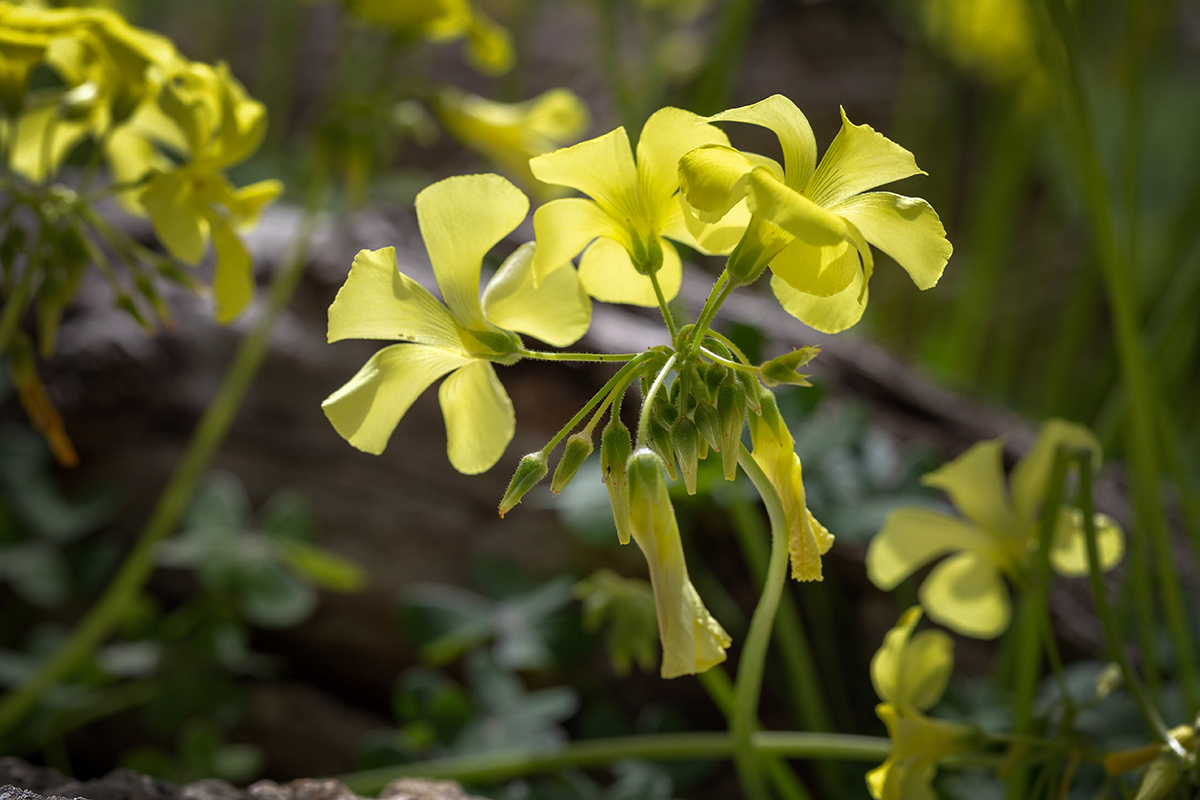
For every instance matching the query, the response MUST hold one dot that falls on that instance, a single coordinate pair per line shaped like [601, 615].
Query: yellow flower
[461, 219]
[633, 210]
[992, 37]
[221, 127]
[512, 133]
[774, 451]
[966, 592]
[910, 674]
[692, 640]
[489, 48]
[812, 222]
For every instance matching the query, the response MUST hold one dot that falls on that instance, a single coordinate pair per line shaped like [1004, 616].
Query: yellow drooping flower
[632, 213]
[489, 47]
[461, 220]
[910, 675]
[814, 224]
[692, 640]
[512, 133]
[774, 450]
[998, 538]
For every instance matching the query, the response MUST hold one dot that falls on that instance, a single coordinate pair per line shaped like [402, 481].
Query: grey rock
[423, 789]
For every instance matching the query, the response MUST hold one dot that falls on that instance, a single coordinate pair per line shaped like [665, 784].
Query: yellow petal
[233, 278]
[30, 157]
[966, 594]
[771, 199]
[564, 227]
[178, 223]
[1069, 551]
[602, 168]
[558, 311]
[692, 640]
[489, 46]
[1031, 473]
[367, 409]
[781, 116]
[911, 672]
[377, 301]
[559, 115]
[858, 159]
[479, 417]
[608, 274]
[911, 538]
[713, 180]
[975, 483]
[832, 314]
[247, 203]
[713, 239]
[906, 228]
[819, 271]
[666, 136]
[461, 219]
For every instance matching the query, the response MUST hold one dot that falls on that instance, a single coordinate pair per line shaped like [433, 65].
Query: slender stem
[491, 767]
[1111, 633]
[754, 651]
[716, 296]
[665, 309]
[625, 373]
[1029, 633]
[648, 400]
[709, 354]
[733, 348]
[14, 305]
[125, 587]
[543, 355]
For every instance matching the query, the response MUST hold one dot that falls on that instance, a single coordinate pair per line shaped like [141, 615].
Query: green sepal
[529, 473]
[783, 369]
[660, 442]
[708, 422]
[731, 406]
[714, 376]
[578, 448]
[770, 412]
[685, 438]
[615, 446]
[750, 390]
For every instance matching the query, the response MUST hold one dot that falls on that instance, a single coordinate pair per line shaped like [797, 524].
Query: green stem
[1030, 628]
[716, 682]
[1112, 635]
[1137, 371]
[492, 767]
[15, 304]
[624, 373]
[665, 309]
[125, 587]
[542, 355]
[648, 400]
[754, 652]
[709, 354]
[716, 296]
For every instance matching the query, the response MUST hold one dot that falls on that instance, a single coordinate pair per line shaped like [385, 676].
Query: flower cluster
[811, 223]
[999, 537]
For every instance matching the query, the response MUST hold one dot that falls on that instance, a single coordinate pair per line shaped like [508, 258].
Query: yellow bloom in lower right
[910, 674]
[998, 538]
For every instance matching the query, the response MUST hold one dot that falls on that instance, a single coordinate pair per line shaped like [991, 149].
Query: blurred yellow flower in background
[489, 47]
[966, 592]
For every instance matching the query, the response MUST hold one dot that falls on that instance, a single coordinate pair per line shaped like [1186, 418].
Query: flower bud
[749, 389]
[660, 441]
[685, 437]
[714, 376]
[783, 369]
[770, 412]
[615, 447]
[731, 406]
[708, 421]
[578, 448]
[1161, 778]
[529, 473]
[694, 390]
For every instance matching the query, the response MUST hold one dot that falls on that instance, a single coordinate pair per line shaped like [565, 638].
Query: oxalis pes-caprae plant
[813, 224]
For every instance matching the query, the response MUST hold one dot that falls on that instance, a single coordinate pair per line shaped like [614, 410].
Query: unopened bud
[577, 449]
[708, 421]
[615, 447]
[529, 473]
[731, 406]
[685, 437]
[714, 376]
[645, 471]
[1161, 778]
[783, 369]
[750, 388]
[660, 441]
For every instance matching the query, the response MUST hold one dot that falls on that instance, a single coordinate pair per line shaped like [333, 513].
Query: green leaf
[271, 595]
[322, 567]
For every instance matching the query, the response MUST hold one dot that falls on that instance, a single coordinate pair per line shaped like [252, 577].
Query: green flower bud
[615, 447]
[783, 369]
[714, 376]
[685, 437]
[750, 388]
[693, 390]
[708, 421]
[1161, 778]
[660, 442]
[645, 470]
[770, 412]
[731, 406]
[578, 448]
[529, 473]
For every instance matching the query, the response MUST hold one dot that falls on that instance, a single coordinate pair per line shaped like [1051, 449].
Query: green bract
[632, 213]
[813, 223]
[461, 219]
[966, 592]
